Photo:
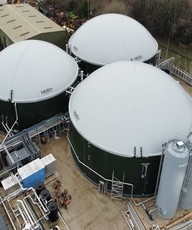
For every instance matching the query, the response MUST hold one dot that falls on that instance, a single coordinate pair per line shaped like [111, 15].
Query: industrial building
[110, 38]
[23, 22]
[35, 76]
[121, 115]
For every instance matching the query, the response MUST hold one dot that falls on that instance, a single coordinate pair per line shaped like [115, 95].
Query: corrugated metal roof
[22, 21]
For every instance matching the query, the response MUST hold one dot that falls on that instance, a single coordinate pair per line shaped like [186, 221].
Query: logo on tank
[76, 115]
[48, 90]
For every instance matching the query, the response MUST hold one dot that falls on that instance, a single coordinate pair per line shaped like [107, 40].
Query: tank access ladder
[117, 187]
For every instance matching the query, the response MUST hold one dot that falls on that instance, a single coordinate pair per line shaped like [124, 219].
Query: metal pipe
[67, 48]
[16, 114]
[22, 215]
[152, 210]
[81, 75]
[20, 203]
[9, 155]
[31, 214]
[8, 197]
[45, 210]
[35, 217]
[6, 124]
[36, 203]
[70, 49]
[159, 172]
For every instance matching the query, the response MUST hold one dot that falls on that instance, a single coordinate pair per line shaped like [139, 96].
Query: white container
[10, 184]
[36, 165]
[49, 163]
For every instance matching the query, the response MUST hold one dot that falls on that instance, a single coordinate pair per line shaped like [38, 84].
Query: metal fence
[169, 67]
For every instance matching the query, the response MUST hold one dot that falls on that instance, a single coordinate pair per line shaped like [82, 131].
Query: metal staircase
[58, 122]
[117, 187]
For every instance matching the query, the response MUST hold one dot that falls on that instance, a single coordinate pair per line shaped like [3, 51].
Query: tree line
[165, 19]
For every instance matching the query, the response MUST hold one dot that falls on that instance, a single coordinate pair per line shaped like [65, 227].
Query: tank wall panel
[105, 163]
[30, 114]
[90, 68]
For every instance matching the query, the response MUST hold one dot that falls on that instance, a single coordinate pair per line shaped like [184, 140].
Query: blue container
[26, 174]
[32, 173]
[38, 169]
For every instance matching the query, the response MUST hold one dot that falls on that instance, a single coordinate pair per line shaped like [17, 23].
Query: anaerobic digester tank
[120, 137]
[186, 197]
[176, 155]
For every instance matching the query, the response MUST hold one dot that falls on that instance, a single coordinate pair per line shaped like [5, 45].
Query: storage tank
[111, 38]
[45, 195]
[39, 187]
[53, 208]
[176, 155]
[121, 114]
[34, 75]
[186, 197]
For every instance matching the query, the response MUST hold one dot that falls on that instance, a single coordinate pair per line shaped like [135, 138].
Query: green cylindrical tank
[34, 78]
[110, 38]
[105, 163]
[121, 115]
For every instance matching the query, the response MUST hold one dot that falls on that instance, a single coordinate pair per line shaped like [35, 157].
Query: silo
[34, 78]
[186, 198]
[176, 155]
[120, 117]
[111, 38]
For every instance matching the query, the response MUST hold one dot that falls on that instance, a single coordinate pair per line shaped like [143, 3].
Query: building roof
[130, 104]
[22, 22]
[113, 37]
[35, 70]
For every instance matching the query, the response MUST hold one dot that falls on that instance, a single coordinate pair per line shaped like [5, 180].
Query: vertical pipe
[67, 48]
[81, 75]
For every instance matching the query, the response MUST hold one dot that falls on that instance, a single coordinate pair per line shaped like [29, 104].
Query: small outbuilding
[23, 22]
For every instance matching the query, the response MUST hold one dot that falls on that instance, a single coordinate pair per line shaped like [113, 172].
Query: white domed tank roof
[130, 104]
[35, 71]
[110, 38]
